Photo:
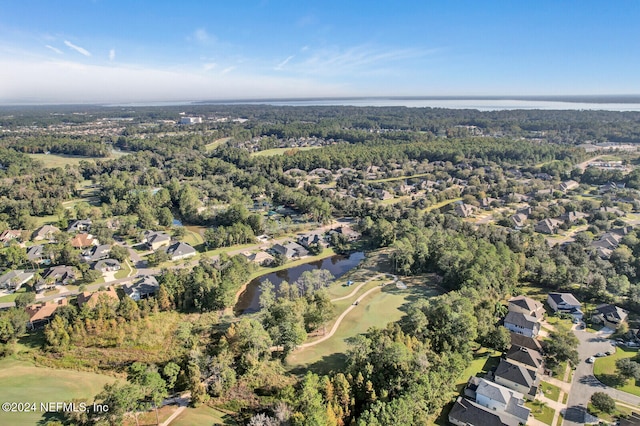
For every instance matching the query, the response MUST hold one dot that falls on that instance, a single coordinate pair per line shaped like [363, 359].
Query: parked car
[600, 354]
[591, 360]
[609, 352]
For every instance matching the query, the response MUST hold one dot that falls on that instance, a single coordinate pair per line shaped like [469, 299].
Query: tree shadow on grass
[326, 365]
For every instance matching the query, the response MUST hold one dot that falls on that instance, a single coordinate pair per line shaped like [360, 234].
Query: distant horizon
[582, 98]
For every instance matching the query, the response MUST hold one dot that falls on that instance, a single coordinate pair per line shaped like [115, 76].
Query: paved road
[585, 383]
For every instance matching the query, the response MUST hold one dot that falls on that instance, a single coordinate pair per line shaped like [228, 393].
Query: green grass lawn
[124, 271]
[12, 297]
[213, 145]
[441, 204]
[484, 360]
[23, 382]
[605, 368]
[559, 370]
[281, 151]
[202, 416]
[550, 391]
[541, 412]
[609, 417]
[376, 310]
[57, 160]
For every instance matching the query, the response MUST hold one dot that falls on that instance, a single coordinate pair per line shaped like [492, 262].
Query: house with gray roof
[527, 306]
[145, 287]
[154, 240]
[35, 254]
[96, 253]
[290, 250]
[13, 280]
[57, 275]
[466, 412]
[565, 303]
[46, 232]
[80, 226]
[180, 250]
[522, 324]
[528, 358]
[525, 342]
[499, 398]
[517, 378]
[106, 265]
[547, 226]
[610, 316]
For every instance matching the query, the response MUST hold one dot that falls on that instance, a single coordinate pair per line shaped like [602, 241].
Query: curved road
[346, 311]
[355, 290]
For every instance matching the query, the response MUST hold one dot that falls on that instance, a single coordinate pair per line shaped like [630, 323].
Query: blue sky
[132, 51]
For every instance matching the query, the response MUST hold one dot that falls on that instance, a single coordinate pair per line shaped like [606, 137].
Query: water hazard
[338, 265]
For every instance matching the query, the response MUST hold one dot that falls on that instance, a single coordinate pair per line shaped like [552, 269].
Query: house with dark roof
[525, 357]
[261, 258]
[97, 253]
[180, 250]
[107, 265]
[464, 210]
[610, 316]
[547, 226]
[519, 220]
[525, 342]
[57, 275]
[522, 324]
[526, 305]
[80, 226]
[466, 412]
[312, 238]
[290, 250]
[35, 254]
[571, 217]
[565, 303]
[13, 280]
[46, 232]
[154, 240]
[145, 287]
[517, 378]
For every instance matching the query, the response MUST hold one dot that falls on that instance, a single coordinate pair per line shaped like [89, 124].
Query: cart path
[346, 311]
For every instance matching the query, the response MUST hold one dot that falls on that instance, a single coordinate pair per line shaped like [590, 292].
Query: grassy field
[441, 204]
[124, 271]
[57, 160]
[281, 151]
[202, 416]
[541, 412]
[376, 310]
[604, 369]
[550, 391]
[23, 382]
[213, 145]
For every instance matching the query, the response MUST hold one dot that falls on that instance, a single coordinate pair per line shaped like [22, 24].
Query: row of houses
[499, 397]
[144, 287]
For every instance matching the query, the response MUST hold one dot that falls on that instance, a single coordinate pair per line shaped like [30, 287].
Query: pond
[338, 265]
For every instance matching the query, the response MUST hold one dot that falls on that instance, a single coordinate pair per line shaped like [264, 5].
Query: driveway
[585, 383]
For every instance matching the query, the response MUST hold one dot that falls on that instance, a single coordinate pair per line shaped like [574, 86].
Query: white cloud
[227, 70]
[55, 49]
[201, 36]
[112, 54]
[71, 82]
[283, 63]
[78, 49]
[209, 66]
